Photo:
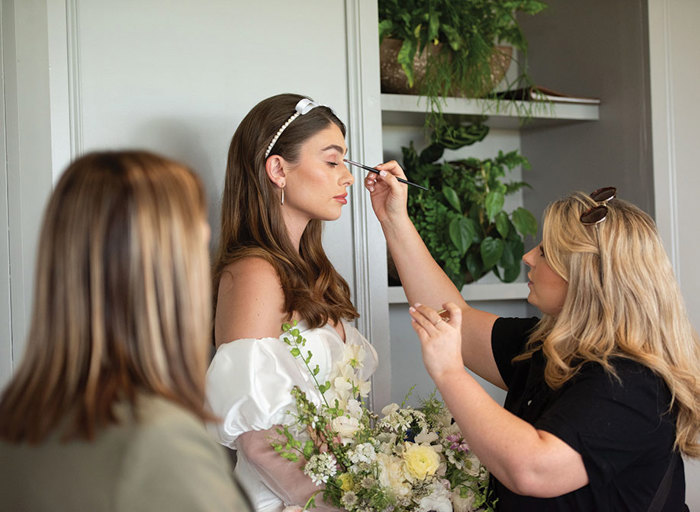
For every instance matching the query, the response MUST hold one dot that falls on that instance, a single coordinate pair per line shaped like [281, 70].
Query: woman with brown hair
[603, 394]
[106, 410]
[285, 175]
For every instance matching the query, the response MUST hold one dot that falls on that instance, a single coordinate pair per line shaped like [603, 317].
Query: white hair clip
[304, 106]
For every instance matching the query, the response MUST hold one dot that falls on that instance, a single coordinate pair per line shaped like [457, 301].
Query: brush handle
[375, 171]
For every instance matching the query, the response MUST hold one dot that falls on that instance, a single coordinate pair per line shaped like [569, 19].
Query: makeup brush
[375, 171]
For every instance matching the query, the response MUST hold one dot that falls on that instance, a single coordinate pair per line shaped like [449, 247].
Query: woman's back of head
[623, 300]
[121, 300]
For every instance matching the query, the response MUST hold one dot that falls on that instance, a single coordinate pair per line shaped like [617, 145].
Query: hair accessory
[304, 106]
[599, 213]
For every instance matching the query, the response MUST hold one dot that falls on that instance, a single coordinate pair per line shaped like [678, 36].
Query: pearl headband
[303, 107]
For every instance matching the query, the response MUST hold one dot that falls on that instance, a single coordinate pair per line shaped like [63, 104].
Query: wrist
[396, 223]
[448, 376]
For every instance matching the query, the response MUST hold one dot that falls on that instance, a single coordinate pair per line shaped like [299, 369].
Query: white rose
[354, 409]
[345, 427]
[426, 437]
[391, 474]
[438, 501]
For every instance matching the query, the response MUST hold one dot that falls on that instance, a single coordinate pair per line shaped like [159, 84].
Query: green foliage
[461, 218]
[469, 33]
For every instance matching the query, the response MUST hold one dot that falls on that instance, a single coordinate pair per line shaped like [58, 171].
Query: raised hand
[441, 340]
[388, 196]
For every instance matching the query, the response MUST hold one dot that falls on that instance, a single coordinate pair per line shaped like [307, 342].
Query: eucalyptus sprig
[298, 342]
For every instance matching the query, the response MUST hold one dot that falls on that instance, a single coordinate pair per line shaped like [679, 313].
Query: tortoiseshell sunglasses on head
[598, 213]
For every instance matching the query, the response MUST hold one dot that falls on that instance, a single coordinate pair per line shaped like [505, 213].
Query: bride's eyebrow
[336, 147]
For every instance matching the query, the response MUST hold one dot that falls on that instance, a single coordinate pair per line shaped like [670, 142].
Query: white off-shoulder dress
[249, 383]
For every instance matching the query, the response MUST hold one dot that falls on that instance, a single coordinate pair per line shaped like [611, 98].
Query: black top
[621, 428]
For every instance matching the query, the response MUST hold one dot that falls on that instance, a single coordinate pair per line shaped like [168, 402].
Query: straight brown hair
[121, 298]
[251, 216]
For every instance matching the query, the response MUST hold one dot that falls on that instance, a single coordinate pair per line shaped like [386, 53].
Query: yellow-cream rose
[346, 483]
[420, 460]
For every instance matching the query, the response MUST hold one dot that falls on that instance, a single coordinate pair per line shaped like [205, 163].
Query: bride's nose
[346, 178]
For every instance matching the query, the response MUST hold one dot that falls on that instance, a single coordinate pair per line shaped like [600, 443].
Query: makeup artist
[603, 391]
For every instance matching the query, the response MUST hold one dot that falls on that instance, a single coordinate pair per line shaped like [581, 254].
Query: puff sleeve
[248, 386]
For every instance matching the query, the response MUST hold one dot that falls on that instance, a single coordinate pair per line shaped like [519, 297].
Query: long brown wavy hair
[623, 301]
[121, 298]
[251, 215]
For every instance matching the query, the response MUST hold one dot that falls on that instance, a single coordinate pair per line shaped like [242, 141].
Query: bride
[285, 174]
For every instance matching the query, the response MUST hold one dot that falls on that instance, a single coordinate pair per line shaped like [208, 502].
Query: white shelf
[404, 109]
[475, 292]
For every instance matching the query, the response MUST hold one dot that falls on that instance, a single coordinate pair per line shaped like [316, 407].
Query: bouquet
[405, 459]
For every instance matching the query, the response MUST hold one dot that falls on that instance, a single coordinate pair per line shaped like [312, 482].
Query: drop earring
[282, 197]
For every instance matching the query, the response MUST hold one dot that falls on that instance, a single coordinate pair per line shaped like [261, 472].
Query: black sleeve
[610, 422]
[508, 339]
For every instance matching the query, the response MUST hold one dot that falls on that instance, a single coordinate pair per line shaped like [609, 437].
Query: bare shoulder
[250, 301]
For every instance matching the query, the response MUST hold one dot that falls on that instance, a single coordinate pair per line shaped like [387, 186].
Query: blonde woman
[285, 176]
[603, 390]
[106, 410]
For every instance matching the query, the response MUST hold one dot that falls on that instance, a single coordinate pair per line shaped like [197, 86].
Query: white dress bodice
[249, 384]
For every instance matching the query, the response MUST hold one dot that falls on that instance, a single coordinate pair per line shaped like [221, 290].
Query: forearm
[421, 277]
[283, 477]
[524, 459]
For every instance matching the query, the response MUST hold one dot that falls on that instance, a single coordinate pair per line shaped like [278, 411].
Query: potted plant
[459, 42]
[461, 217]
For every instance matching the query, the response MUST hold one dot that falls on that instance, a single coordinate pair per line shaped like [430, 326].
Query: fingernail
[371, 189]
[417, 305]
[383, 173]
[411, 309]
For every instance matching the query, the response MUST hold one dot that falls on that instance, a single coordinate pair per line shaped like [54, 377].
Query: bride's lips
[342, 198]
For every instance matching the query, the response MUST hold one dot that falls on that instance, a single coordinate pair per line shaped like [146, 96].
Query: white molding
[364, 142]
[663, 128]
[28, 137]
[475, 292]
[6, 357]
[74, 83]
[56, 31]
[410, 109]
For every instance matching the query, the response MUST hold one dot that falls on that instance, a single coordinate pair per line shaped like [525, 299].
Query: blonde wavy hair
[122, 301]
[622, 301]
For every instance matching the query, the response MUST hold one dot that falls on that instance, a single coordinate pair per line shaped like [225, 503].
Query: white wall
[673, 43]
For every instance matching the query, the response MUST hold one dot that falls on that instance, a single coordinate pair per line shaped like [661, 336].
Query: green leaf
[405, 58]
[308, 449]
[433, 26]
[524, 221]
[295, 352]
[494, 203]
[451, 197]
[385, 29]
[491, 250]
[474, 266]
[430, 154]
[462, 233]
[502, 223]
[511, 273]
[507, 258]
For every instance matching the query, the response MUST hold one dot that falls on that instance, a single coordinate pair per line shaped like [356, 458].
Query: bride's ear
[274, 166]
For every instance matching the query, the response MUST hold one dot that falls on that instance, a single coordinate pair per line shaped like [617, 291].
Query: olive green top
[164, 461]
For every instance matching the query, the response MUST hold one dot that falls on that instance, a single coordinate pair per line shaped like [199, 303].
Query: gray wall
[595, 48]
